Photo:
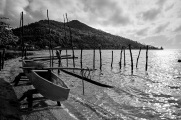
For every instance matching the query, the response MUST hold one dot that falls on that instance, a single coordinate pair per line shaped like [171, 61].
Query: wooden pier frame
[29, 95]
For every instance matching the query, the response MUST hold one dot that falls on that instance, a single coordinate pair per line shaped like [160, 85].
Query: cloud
[2, 6]
[151, 14]
[142, 32]
[106, 12]
[169, 7]
[161, 28]
[116, 19]
[161, 2]
[178, 29]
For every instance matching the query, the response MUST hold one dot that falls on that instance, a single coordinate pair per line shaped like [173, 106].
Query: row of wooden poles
[2, 58]
[100, 53]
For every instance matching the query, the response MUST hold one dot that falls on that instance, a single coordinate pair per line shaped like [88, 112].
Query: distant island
[38, 35]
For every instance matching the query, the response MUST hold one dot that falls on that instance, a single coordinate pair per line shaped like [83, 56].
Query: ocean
[154, 94]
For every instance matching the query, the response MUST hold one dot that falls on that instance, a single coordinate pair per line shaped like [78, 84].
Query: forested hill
[39, 34]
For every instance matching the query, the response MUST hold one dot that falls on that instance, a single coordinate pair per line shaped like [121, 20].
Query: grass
[9, 54]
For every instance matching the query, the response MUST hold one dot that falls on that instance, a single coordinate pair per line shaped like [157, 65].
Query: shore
[77, 107]
[11, 108]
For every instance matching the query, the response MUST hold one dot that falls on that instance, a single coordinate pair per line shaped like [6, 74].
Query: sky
[152, 22]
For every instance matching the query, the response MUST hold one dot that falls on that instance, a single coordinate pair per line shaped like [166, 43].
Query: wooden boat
[46, 82]
[49, 85]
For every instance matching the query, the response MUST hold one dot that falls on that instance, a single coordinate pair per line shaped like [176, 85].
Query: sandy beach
[11, 108]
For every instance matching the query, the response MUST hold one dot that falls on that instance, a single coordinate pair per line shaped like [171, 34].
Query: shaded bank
[9, 106]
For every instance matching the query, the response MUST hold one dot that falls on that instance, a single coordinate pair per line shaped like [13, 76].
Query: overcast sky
[153, 22]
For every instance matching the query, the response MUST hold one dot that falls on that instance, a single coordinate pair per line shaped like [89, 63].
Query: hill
[40, 33]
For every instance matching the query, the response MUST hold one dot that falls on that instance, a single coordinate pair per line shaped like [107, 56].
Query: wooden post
[66, 58]
[81, 58]
[120, 63]
[73, 57]
[138, 58]
[59, 60]
[25, 52]
[22, 35]
[3, 58]
[131, 59]
[81, 71]
[112, 59]
[60, 51]
[49, 41]
[124, 57]
[146, 66]
[94, 59]
[0, 61]
[100, 58]
[52, 56]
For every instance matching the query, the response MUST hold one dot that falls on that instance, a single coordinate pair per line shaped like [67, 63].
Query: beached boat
[49, 85]
[46, 82]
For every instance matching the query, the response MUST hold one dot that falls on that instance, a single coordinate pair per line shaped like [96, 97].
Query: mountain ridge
[82, 36]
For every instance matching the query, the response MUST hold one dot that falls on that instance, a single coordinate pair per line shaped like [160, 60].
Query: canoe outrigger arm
[60, 68]
[87, 79]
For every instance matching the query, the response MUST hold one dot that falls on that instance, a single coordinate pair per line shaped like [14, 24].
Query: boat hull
[49, 85]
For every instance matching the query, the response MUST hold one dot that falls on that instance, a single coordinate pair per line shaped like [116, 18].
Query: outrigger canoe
[49, 85]
[46, 82]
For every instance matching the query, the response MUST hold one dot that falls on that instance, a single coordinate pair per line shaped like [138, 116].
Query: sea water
[154, 94]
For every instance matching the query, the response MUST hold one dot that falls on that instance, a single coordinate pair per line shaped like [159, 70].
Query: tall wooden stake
[94, 59]
[59, 60]
[3, 57]
[52, 56]
[0, 61]
[112, 59]
[81, 71]
[138, 58]
[73, 57]
[22, 30]
[120, 62]
[146, 66]
[131, 59]
[66, 57]
[81, 58]
[49, 41]
[100, 58]
[25, 52]
[124, 57]
[71, 40]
